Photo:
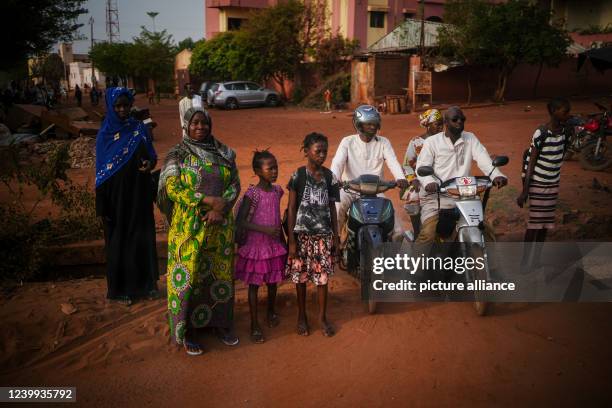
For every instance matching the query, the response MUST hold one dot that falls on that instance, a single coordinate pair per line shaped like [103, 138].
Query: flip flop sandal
[228, 338]
[257, 337]
[193, 345]
[124, 300]
[302, 329]
[273, 320]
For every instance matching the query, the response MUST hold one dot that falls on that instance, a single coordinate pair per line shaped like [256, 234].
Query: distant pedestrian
[95, 95]
[327, 96]
[78, 94]
[151, 95]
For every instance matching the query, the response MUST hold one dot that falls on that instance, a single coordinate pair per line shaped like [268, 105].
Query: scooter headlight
[466, 186]
[467, 191]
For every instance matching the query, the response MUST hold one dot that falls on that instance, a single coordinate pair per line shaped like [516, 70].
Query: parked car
[204, 88]
[236, 94]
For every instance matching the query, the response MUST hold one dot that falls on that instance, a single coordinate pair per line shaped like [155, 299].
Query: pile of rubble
[83, 153]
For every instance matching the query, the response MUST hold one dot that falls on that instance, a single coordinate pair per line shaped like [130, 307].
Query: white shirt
[355, 157]
[450, 161]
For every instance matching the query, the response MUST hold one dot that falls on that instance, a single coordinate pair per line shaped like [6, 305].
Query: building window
[234, 24]
[377, 19]
[409, 15]
[435, 19]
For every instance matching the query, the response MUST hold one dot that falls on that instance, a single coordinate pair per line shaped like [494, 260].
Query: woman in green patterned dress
[197, 190]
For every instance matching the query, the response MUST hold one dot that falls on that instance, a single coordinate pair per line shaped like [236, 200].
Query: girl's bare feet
[302, 328]
[273, 320]
[327, 329]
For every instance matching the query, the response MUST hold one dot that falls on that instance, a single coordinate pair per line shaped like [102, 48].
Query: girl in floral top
[313, 229]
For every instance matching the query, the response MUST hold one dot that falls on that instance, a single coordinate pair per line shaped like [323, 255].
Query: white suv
[236, 94]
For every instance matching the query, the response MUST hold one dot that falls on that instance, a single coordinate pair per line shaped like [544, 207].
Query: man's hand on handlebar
[402, 183]
[500, 181]
[432, 188]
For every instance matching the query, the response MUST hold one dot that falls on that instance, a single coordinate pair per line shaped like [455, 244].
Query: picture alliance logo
[413, 264]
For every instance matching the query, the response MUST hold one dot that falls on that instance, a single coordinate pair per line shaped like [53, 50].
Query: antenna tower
[112, 21]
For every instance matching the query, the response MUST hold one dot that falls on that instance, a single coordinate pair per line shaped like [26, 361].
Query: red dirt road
[421, 354]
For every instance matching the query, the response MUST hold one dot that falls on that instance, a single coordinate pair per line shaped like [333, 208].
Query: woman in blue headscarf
[124, 200]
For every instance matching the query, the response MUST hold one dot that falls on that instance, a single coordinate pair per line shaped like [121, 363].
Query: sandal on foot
[328, 330]
[257, 336]
[227, 337]
[273, 320]
[193, 348]
[124, 300]
[302, 329]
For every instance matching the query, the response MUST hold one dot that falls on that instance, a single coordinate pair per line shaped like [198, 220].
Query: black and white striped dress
[544, 183]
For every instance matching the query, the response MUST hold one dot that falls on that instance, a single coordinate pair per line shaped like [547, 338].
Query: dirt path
[423, 354]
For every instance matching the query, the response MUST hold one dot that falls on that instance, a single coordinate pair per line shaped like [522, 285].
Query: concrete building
[80, 74]
[363, 20]
[579, 14]
[181, 71]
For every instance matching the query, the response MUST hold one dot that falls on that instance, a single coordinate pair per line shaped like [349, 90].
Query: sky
[182, 19]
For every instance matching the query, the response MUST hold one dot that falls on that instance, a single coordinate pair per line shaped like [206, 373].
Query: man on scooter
[450, 153]
[365, 153]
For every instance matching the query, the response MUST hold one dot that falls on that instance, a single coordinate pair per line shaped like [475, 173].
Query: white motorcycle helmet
[366, 114]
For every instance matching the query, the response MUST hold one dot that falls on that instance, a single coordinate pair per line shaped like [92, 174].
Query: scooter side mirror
[500, 161]
[425, 171]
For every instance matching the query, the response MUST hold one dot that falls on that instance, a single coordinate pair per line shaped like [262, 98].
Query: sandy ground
[422, 354]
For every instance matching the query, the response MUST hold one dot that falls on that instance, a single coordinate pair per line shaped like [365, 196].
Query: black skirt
[125, 203]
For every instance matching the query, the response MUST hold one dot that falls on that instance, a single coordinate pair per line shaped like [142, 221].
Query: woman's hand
[215, 203]
[146, 166]
[213, 217]
[416, 184]
[274, 232]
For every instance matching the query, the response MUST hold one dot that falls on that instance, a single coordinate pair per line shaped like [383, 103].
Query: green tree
[151, 56]
[186, 44]
[276, 36]
[112, 58]
[502, 36]
[53, 69]
[460, 39]
[333, 52]
[211, 59]
[35, 26]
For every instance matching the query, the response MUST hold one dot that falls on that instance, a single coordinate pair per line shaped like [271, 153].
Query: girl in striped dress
[541, 182]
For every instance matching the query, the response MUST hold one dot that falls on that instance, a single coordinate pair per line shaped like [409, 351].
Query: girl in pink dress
[262, 253]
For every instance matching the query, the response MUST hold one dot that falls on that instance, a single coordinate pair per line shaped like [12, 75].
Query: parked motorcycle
[596, 154]
[370, 223]
[467, 219]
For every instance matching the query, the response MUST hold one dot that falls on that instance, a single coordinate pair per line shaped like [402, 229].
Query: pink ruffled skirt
[256, 265]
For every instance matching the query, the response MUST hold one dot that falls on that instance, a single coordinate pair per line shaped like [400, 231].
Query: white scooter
[467, 220]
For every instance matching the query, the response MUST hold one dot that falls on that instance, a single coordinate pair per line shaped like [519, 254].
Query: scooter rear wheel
[602, 161]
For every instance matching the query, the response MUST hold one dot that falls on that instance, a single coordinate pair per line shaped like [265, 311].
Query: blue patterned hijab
[118, 140]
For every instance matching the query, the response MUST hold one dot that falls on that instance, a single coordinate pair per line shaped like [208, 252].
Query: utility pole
[422, 41]
[91, 24]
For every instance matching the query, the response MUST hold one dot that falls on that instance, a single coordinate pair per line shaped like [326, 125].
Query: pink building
[364, 20]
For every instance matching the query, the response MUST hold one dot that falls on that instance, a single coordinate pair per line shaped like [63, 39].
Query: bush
[23, 239]
[340, 87]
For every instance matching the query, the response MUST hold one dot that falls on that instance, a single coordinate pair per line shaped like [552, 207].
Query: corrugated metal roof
[407, 36]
